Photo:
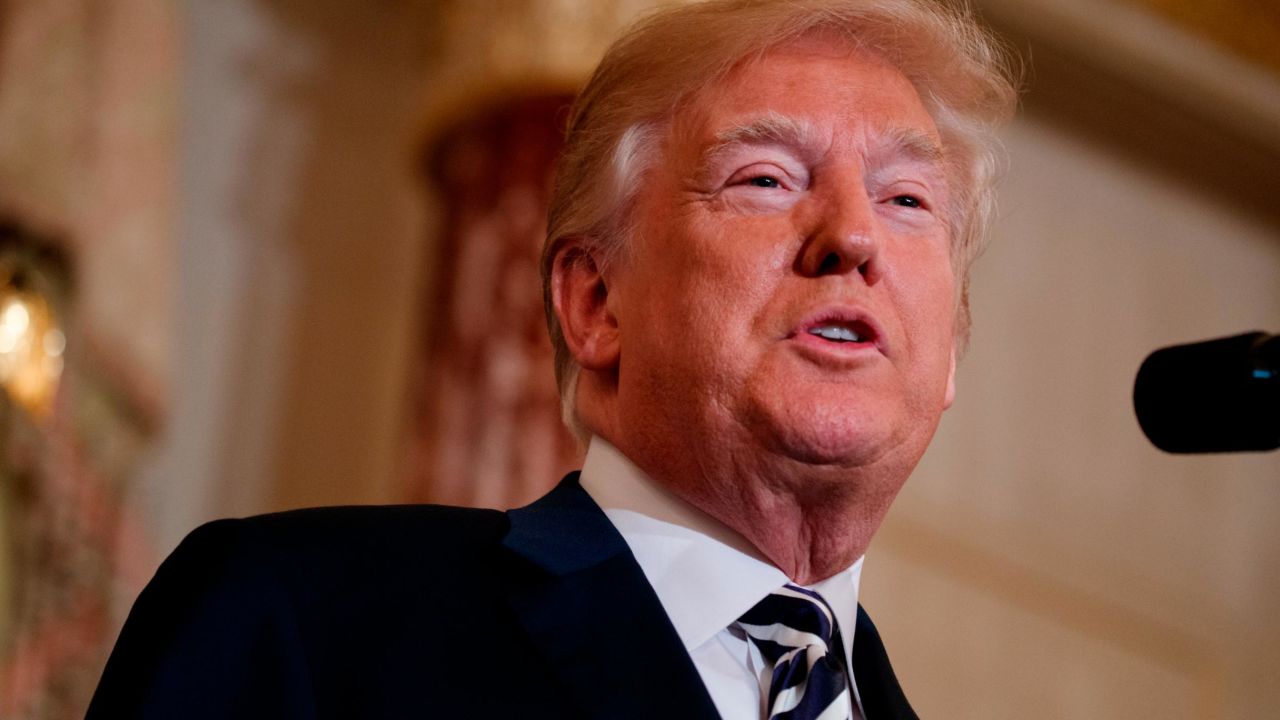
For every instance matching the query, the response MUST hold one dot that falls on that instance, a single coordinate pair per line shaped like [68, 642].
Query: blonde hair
[961, 72]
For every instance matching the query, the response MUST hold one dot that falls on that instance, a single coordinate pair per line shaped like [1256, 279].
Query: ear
[581, 300]
[950, 396]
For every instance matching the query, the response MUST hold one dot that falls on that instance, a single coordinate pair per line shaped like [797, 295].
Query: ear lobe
[581, 300]
[950, 396]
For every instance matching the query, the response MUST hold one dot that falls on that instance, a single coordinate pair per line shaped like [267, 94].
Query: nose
[843, 239]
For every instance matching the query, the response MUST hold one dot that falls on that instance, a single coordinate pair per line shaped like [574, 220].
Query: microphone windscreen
[1215, 396]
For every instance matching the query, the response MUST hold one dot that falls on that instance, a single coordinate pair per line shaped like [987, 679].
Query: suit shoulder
[378, 523]
[352, 535]
[242, 613]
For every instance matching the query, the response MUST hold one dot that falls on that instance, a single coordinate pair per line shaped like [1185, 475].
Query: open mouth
[842, 331]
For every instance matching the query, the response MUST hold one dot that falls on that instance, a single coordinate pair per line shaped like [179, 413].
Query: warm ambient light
[31, 348]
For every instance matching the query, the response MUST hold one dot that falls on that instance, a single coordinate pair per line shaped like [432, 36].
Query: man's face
[789, 290]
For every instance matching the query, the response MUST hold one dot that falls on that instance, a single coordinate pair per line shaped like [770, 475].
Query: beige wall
[299, 256]
[1045, 560]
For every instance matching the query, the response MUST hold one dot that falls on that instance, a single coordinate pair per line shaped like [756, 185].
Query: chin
[828, 434]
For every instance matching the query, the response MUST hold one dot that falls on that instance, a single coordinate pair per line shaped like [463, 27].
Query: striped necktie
[796, 633]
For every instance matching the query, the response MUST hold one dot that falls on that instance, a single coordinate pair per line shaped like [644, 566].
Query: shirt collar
[705, 574]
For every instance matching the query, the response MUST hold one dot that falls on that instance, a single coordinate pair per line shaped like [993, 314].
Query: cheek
[927, 306]
[923, 275]
[723, 272]
[932, 332]
[701, 319]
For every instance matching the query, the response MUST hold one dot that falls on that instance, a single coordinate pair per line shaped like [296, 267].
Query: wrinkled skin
[806, 192]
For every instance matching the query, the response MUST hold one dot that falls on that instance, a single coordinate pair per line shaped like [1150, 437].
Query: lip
[869, 330]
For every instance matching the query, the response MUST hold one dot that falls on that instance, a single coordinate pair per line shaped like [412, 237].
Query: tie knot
[796, 633]
[788, 618]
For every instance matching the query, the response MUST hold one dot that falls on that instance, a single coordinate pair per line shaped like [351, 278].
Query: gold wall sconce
[33, 341]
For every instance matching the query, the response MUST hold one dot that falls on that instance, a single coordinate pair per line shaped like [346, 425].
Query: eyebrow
[915, 146]
[772, 128]
[767, 128]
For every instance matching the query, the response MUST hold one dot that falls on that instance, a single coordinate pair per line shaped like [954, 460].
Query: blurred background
[265, 254]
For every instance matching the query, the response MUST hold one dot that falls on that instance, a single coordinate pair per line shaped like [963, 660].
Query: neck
[811, 521]
[812, 526]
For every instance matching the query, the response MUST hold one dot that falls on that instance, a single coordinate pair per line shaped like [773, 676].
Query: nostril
[830, 263]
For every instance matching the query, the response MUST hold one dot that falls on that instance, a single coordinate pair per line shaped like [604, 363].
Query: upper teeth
[835, 332]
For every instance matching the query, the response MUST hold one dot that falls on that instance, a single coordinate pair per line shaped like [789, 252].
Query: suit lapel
[586, 605]
[882, 697]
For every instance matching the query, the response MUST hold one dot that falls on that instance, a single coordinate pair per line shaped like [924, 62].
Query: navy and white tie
[797, 635]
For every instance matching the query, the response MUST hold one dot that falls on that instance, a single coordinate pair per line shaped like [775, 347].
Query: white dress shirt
[706, 577]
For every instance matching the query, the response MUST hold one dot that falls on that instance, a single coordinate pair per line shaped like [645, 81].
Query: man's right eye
[764, 181]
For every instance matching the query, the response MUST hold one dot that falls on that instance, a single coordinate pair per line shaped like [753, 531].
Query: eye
[764, 181]
[907, 201]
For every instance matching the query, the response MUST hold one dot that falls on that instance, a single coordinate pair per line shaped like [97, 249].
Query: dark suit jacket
[417, 612]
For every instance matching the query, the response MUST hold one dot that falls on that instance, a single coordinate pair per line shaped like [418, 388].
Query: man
[755, 271]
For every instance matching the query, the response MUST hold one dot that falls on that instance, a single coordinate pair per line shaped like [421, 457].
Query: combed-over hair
[962, 73]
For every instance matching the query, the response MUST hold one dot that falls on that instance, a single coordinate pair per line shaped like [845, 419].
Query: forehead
[821, 87]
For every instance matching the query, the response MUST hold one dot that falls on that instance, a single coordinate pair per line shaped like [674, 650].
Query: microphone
[1219, 395]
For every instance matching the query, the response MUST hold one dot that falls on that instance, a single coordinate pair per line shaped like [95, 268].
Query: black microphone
[1215, 396]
